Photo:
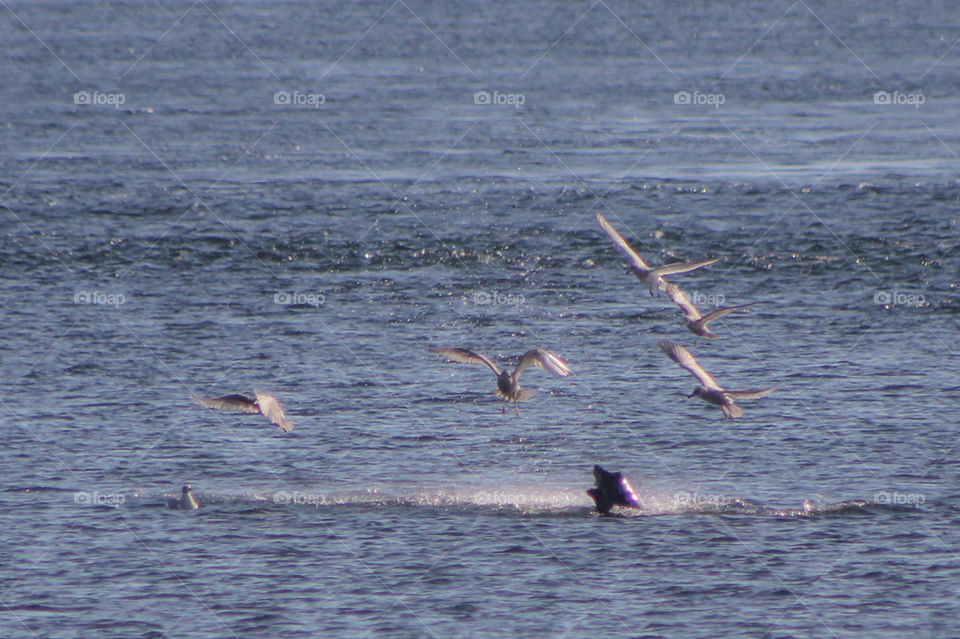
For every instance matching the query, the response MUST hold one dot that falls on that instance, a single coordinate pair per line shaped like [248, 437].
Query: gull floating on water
[652, 277]
[692, 318]
[508, 384]
[709, 390]
[267, 405]
[186, 502]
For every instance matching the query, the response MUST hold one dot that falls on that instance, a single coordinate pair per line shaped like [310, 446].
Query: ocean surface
[305, 198]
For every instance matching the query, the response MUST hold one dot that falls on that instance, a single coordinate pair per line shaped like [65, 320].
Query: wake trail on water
[524, 499]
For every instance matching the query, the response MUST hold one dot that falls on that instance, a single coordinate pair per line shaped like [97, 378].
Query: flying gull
[267, 405]
[692, 318]
[508, 384]
[652, 277]
[709, 390]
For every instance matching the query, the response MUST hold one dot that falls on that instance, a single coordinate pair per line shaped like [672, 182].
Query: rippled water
[151, 249]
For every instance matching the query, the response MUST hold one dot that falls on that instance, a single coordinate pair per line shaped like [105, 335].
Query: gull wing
[676, 294]
[685, 359]
[751, 394]
[717, 314]
[229, 402]
[467, 357]
[272, 409]
[542, 358]
[683, 267]
[637, 263]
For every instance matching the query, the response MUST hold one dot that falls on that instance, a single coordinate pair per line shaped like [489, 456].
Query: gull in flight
[692, 318]
[709, 390]
[652, 277]
[508, 384]
[267, 405]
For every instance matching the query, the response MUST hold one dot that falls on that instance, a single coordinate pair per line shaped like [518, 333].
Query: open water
[304, 198]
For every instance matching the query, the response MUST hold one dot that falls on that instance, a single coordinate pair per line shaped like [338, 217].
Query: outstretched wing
[467, 357]
[720, 312]
[272, 409]
[542, 358]
[683, 267]
[751, 394]
[685, 359]
[676, 294]
[229, 402]
[637, 263]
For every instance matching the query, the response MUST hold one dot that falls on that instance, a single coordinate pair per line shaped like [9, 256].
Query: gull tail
[732, 410]
[522, 395]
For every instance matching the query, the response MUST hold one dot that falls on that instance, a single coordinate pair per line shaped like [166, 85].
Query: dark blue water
[419, 175]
